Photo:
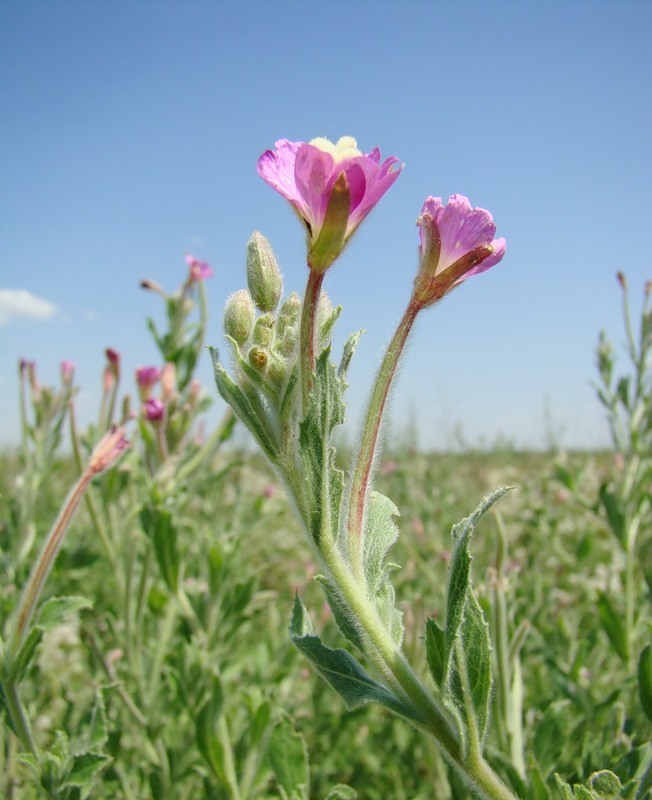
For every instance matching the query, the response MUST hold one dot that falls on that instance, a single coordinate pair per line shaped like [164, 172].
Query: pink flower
[67, 371]
[199, 270]
[331, 186]
[153, 409]
[113, 357]
[146, 378]
[456, 242]
[108, 449]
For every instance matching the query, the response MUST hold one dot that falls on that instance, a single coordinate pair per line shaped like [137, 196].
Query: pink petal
[276, 168]
[462, 229]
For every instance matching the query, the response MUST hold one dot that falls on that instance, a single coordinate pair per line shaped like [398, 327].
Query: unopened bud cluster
[264, 335]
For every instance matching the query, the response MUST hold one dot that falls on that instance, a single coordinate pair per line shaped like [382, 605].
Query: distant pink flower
[199, 270]
[388, 467]
[168, 380]
[146, 378]
[153, 409]
[67, 371]
[109, 449]
[456, 243]
[331, 186]
[113, 357]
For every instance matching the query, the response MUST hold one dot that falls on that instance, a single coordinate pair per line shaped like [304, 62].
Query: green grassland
[194, 684]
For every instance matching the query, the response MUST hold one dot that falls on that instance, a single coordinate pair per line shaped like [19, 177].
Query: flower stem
[90, 505]
[370, 432]
[307, 332]
[45, 561]
[392, 663]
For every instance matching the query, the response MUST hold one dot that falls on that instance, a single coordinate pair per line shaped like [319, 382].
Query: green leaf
[459, 569]
[645, 680]
[339, 668]
[550, 735]
[97, 729]
[326, 327]
[615, 516]
[207, 741]
[344, 617]
[614, 625]
[250, 414]
[86, 768]
[342, 792]
[471, 670]
[324, 479]
[350, 347]
[157, 523]
[55, 609]
[288, 755]
[539, 789]
[19, 665]
[436, 650]
[379, 535]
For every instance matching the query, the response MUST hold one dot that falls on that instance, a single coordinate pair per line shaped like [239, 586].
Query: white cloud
[21, 303]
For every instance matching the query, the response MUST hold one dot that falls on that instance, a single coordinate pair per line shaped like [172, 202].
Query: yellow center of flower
[346, 147]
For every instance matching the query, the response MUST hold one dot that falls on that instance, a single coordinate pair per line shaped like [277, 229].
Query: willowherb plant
[290, 395]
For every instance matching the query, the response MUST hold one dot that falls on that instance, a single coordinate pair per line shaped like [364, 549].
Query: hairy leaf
[324, 480]
[379, 535]
[339, 668]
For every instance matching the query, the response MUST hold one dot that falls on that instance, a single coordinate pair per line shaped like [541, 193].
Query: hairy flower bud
[258, 358]
[239, 315]
[263, 275]
[288, 316]
[263, 330]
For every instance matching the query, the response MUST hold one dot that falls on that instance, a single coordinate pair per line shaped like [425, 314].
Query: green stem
[215, 438]
[228, 758]
[307, 333]
[370, 432]
[45, 561]
[392, 663]
[19, 717]
[630, 587]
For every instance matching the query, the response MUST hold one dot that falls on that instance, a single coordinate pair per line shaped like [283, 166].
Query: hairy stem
[307, 333]
[370, 432]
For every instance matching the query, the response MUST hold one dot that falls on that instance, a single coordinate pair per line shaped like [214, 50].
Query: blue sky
[130, 133]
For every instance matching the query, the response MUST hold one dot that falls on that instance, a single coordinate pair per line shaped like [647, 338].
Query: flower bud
[239, 315]
[146, 378]
[287, 343]
[258, 358]
[263, 330]
[113, 357]
[108, 450]
[168, 380]
[153, 409]
[288, 316]
[67, 372]
[263, 275]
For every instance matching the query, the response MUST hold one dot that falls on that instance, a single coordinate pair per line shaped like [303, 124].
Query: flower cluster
[334, 186]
